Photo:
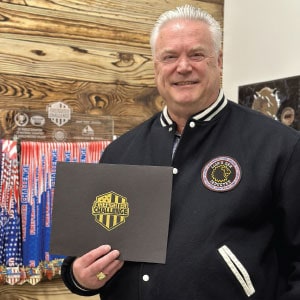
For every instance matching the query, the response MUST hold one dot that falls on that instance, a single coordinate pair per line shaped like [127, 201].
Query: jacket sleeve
[287, 224]
[69, 280]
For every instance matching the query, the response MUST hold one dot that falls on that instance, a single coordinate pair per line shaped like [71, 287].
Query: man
[234, 228]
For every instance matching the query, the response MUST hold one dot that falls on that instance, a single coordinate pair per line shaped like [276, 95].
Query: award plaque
[57, 124]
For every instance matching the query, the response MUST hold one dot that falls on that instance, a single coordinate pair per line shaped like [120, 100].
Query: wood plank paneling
[93, 98]
[43, 59]
[98, 45]
[46, 290]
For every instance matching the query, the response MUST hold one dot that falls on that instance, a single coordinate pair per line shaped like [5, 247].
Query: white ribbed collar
[205, 115]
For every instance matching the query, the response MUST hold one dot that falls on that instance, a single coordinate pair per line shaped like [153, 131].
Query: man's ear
[220, 59]
[155, 70]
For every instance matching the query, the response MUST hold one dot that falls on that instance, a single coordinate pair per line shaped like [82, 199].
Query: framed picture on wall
[279, 99]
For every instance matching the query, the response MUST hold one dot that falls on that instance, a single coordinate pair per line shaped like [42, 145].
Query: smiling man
[188, 65]
[234, 229]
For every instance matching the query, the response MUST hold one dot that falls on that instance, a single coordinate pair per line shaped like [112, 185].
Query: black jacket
[235, 217]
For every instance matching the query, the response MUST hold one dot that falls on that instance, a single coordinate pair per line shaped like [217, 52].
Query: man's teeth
[185, 83]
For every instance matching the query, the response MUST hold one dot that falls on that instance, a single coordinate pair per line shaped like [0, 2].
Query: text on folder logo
[110, 210]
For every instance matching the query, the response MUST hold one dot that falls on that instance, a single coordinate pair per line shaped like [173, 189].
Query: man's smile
[182, 83]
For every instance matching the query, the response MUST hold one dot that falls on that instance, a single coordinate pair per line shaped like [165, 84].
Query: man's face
[187, 69]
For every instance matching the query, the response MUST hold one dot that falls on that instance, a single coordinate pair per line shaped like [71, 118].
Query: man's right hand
[93, 269]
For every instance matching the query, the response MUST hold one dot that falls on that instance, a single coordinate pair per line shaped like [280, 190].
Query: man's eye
[198, 56]
[169, 58]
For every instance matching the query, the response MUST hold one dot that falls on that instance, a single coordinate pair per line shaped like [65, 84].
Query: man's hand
[100, 260]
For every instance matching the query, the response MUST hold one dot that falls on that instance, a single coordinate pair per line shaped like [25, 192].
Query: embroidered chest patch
[221, 174]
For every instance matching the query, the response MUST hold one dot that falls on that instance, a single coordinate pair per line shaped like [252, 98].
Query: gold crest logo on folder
[110, 210]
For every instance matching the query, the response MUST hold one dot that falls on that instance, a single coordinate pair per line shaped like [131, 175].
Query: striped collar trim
[205, 115]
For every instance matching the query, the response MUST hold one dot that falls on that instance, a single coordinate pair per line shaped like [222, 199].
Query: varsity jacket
[234, 229]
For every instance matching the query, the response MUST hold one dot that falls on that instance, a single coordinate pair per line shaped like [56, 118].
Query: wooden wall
[46, 290]
[93, 56]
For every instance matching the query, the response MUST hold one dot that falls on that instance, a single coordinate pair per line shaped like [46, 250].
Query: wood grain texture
[93, 55]
[88, 40]
[46, 290]
[129, 105]
[68, 43]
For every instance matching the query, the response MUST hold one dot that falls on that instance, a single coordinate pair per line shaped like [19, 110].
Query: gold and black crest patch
[221, 174]
[110, 210]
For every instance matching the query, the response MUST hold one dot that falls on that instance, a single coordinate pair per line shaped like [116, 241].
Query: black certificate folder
[125, 206]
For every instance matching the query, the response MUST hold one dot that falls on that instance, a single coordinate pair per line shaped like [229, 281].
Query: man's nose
[184, 65]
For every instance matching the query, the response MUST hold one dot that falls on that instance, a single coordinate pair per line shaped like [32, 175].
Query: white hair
[188, 12]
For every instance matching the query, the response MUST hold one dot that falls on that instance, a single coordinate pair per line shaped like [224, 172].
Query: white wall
[261, 42]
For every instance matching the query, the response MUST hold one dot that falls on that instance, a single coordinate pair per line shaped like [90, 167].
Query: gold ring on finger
[101, 276]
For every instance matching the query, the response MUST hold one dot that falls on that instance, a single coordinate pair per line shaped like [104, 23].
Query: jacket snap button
[146, 277]
[192, 124]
